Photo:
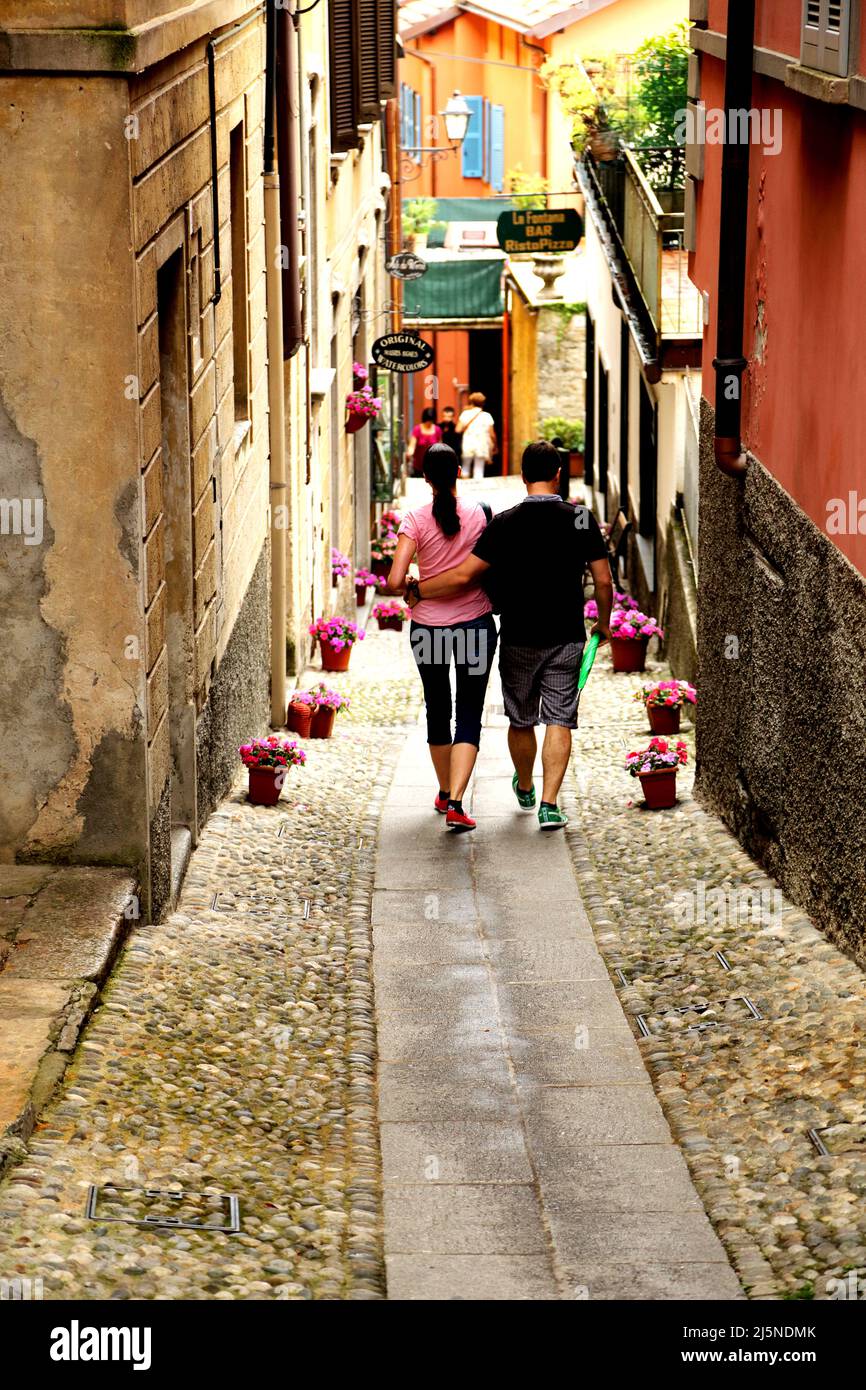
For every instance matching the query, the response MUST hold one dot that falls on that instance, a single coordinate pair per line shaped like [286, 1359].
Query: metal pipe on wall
[287, 119]
[276, 398]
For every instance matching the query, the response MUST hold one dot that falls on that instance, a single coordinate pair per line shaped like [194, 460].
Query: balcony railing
[643, 191]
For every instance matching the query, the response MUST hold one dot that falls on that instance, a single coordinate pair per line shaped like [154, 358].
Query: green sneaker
[551, 818]
[525, 800]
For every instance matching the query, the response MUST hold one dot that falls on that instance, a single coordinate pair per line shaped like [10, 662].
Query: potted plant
[340, 566]
[588, 93]
[391, 615]
[329, 703]
[389, 523]
[360, 375]
[268, 760]
[630, 631]
[571, 435]
[302, 706]
[361, 407]
[382, 554]
[419, 218]
[656, 766]
[336, 638]
[664, 701]
[364, 580]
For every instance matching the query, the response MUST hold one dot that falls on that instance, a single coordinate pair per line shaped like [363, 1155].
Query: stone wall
[781, 719]
[561, 364]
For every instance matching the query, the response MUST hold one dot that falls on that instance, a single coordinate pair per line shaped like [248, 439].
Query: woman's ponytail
[441, 468]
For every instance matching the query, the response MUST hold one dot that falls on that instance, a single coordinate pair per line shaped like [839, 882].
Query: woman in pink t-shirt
[459, 629]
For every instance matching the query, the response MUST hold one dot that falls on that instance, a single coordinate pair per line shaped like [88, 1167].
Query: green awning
[460, 288]
[464, 210]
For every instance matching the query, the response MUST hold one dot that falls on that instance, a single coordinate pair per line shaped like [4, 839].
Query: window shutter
[824, 43]
[368, 60]
[344, 74]
[497, 148]
[487, 146]
[472, 152]
[387, 47]
[419, 124]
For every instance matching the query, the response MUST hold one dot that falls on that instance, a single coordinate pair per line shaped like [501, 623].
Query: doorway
[485, 375]
[177, 520]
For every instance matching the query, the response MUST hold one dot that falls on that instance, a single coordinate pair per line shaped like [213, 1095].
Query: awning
[464, 210]
[456, 285]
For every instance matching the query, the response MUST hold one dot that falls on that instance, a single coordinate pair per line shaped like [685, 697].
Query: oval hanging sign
[552, 230]
[402, 352]
[406, 266]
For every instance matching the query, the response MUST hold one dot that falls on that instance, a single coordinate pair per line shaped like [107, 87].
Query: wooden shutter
[387, 47]
[344, 74]
[497, 148]
[472, 153]
[825, 30]
[368, 62]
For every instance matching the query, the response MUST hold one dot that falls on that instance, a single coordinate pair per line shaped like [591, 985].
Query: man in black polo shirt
[537, 554]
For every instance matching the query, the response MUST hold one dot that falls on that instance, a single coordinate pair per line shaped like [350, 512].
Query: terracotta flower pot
[355, 421]
[266, 783]
[576, 462]
[659, 788]
[298, 718]
[335, 660]
[322, 725]
[628, 653]
[390, 624]
[664, 719]
[361, 594]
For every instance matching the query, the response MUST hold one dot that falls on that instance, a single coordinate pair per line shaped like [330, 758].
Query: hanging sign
[539, 231]
[402, 352]
[406, 266]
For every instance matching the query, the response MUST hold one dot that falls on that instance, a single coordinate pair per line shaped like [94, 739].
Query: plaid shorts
[540, 679]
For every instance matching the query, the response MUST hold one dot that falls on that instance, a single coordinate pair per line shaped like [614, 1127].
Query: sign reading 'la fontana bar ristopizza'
[536, 231]
[402, 352]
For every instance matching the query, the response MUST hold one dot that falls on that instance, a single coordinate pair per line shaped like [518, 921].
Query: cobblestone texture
[234, 1051]
[741, 1094]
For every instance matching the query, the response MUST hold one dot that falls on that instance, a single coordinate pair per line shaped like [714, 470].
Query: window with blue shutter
[472, 152]
[486, 140]
[419, 133]
[497, 148]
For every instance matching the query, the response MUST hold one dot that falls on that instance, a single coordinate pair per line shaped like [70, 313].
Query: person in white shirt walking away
[479, 436]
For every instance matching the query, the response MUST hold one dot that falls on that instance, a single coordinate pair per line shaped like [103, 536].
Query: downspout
[287, 120]
[729, 362]
[276, 398]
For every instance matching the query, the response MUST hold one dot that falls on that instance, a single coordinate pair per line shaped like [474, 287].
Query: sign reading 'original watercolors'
[402, 352]
[406, 266]
[536, 231]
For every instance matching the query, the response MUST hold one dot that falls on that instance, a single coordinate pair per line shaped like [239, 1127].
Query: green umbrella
[589, 652]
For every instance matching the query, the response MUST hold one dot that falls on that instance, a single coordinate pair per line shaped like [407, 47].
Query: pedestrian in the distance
[448, 426]
[458, 629]
[479, 436]
[422, 438]
[537, 553]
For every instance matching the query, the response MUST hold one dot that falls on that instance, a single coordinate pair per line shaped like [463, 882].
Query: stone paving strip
[60, 930]
[677, 908]
[525, 1155]
[234, 1054]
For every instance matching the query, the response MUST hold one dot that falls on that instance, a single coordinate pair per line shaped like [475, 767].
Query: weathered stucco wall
[72, 686]
[561, 364]
[781, 720]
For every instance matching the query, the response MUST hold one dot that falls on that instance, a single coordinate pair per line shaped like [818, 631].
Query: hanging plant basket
[356, 420]
[659, 788]
[628, 653]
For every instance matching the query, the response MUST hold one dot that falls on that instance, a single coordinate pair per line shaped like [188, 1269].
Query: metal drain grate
[723, 960]
[843, 1138]
[218, 1213]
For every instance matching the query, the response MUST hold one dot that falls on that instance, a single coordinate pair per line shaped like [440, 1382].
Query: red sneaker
[457, 820]
[441, 804]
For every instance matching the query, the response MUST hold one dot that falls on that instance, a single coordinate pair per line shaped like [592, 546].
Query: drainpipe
[287, 121]
[276, 398]
[729, 362]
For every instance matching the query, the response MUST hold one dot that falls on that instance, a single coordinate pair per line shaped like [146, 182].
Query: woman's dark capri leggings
[471, 646]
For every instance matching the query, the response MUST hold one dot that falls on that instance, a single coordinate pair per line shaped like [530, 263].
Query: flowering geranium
[364, 403]
[359, 371]
[633, 625]
[391, 608]
[384, 548]
[303, 697]
[667, 694]
[369, 579]
[621, 600]
[337, 632]
[658, 756]
[590, 609]
[340, 564]
[326, 698]
[274, 754]
[389, 523]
